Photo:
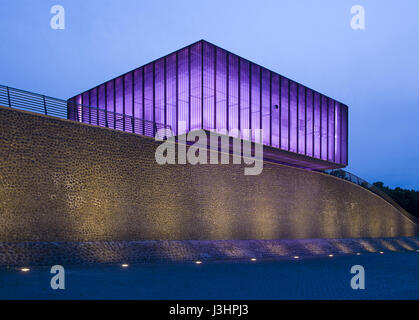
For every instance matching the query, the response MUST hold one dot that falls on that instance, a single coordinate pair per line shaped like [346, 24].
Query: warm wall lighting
[25, 269]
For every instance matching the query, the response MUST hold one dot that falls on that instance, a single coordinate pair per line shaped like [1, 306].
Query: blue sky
[374, 71]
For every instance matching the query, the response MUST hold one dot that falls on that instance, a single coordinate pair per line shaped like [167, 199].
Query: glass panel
[183, 91]
[86, 109]
[208, 86]
[233, 93]
[301, 120]
[119, 103]
[79, 108]
[171, 92]
[110, 104]
[324, 127]
[266, 107]
[310, 123]
[119, 95]
[196, 89]
[284, 114]
[221, 90]
[101, 105]
[128, 102]
[275, 111]
[293, 116]
[317, 125]
[344, 147]
[244, 99]
[159, 91]
[93, 104]
[138, 100]
[338, 120]
[148, 92]
[256, 97]
[331, 131]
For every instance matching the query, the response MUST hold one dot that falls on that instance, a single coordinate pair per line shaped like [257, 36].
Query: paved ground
[388, 276]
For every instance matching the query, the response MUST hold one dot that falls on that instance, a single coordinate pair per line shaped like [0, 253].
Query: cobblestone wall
[145, 251]
[65, 181]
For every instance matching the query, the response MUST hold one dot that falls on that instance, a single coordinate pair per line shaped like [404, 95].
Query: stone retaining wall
[62, 181]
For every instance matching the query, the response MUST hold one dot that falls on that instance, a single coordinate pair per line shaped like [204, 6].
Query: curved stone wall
[65, 181]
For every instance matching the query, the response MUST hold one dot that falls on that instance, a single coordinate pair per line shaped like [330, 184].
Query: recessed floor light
[296, 257]
[25, 269]
[330, 255]
[198, 262]
[124, 265]
[381, 252]
[253, 259]
[358, 254]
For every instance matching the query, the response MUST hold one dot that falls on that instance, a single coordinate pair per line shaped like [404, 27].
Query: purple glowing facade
[205, 87]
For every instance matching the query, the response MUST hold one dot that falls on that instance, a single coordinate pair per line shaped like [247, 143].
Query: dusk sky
[374, 71]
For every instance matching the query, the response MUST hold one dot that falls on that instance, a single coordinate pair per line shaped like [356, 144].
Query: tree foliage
[408, 199]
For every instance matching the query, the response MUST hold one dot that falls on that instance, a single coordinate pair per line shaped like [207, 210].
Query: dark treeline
[408, 199]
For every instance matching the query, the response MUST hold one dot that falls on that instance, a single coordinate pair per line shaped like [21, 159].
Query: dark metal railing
[345, 175]
[113, 120]
[29, 101]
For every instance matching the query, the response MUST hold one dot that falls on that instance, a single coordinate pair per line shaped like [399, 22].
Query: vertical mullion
[341, 132]
[347, 134]
[280, 112]
[250, 100]
[202, 85]
[239, 96]
[97, 105]
[327, 129]
[313, 153]
[334, 130]
[114, 103]
[90, 107]
[321, 121]
[215, 89]
[270, 108]
[154, 97]
[143, 97]
[298, 117]
[165, 93]
[305, 120]
[123, 103]
[177, 94]
[260, 105]
[227, 89]
[133, 101]
[289, 115]
[106, 105]
[189, 89]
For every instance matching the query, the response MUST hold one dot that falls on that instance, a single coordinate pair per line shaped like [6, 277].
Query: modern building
[206, 87]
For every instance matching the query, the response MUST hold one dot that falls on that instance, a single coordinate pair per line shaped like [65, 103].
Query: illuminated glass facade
[205, 87]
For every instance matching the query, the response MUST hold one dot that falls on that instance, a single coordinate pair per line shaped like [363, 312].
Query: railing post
[8, 97]
[132, 124]
[45, 105]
